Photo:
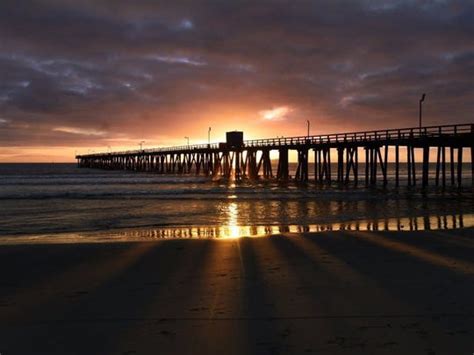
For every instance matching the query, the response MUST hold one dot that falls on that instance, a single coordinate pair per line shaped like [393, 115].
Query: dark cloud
[159, 68]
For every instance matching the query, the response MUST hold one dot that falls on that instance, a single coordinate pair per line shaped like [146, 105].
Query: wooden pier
[251, 158]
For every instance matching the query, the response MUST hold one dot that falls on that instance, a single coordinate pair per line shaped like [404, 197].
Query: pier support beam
[460, 166]
[426, 162]
[352, 163]
[451, 165]
[411, 165]
[282, 171]
[340, 164]
[252, 167]
[302, 169]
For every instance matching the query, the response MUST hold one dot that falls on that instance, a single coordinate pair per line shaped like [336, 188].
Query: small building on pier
[235, 139]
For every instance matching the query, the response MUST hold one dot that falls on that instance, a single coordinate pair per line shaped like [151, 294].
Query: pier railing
[367, 136]
[360, 136]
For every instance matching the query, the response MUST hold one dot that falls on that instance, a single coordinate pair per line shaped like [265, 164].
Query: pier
[251, 158]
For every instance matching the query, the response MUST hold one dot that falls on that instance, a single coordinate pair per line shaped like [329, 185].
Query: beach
[344, 292]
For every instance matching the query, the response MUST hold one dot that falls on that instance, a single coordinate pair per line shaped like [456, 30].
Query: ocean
[60, 202]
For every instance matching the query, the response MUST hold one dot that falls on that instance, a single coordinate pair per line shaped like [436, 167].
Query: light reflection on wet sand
[232, 229]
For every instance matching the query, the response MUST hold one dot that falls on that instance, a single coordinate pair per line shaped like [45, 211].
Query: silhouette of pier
[250, 159]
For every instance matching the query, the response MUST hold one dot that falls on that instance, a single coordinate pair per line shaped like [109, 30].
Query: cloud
[176, 60]
[275, 114]
[82, 131]
[186, 24]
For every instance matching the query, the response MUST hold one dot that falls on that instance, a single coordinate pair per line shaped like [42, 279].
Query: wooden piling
[460, 166]
[282, 171]
[426, 162]
[451, 164]
[443, 165]
[397, 165]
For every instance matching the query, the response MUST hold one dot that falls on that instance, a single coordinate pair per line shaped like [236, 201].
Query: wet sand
[341, 292]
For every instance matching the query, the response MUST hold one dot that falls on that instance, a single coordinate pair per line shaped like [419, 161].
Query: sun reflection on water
[232, 226]
[230, 229]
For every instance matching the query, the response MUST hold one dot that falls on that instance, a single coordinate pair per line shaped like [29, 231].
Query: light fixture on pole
[307, 121]
[209, 136]
[421, 109]
[141, 145]
[187, 138]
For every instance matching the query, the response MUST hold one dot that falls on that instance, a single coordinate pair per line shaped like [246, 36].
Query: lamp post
[307, 121]
[187, 138]
[421, 109]
[141, 145]
[209, 136]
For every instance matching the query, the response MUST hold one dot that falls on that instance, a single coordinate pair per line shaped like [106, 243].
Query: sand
[323, 293]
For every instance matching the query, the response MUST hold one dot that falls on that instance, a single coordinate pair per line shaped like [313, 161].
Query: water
[62, 201]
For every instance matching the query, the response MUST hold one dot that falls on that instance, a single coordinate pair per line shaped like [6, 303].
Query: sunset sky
[92, 74]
